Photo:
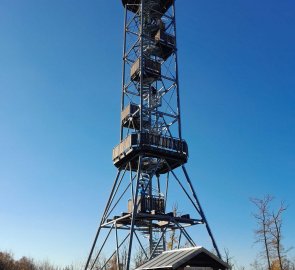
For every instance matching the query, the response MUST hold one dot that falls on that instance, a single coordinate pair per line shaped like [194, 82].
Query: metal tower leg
[201, 211]
[102, 219]
[134, 212]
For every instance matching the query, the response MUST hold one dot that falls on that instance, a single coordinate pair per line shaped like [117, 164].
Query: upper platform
[133, 5]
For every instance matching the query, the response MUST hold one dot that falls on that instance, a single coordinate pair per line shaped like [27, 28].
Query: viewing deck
[173, 151]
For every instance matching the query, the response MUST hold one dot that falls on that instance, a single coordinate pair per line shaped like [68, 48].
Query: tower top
[161, 5]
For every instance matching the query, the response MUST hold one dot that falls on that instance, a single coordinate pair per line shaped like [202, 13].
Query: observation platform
[133, 5]
[173, 151]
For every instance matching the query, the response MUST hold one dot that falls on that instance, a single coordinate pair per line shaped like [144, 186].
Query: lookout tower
[139, 222]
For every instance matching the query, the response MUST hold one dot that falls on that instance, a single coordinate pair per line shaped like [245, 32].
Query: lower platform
[159, 220]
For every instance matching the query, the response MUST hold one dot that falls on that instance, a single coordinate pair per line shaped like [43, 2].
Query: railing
[165, 38]
[162, 142]
[150, 68]
[148, 204]
[123, 147]
[136, 140]
[129, 110]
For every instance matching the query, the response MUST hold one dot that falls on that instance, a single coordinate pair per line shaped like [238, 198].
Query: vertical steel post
[141, 69]
[176, 73]
[123, 71]
[102, 220]
[134, 212]
[201, 212]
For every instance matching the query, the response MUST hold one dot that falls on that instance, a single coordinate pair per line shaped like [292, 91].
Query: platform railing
[138, 140]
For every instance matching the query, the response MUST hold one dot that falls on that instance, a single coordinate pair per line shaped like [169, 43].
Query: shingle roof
[176, 258]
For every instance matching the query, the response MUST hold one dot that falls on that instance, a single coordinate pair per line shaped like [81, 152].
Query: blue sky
[60, 83]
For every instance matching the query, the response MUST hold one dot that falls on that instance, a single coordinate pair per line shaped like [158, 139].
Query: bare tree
[6, 260]
[173, 239]
[124, 257]
[228, 258]
[256, 265]
[269, 233]
[263, 220]
[113, 265]
[276, 233]
[25, 264]
[139, 258]
[289, 265]
[46, 265]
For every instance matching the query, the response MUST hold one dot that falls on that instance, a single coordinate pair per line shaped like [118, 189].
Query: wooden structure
[195, 258]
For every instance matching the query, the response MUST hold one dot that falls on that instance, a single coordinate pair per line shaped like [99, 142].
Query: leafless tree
[269, 233]
[289, 265]
[275, 231]
[123, 257]
[46, 265]
[173, 239]
[25, 264]
[256, 265]
[6, 260]
[228, 258]
[263, 220]
[112, 265]
[139, 258]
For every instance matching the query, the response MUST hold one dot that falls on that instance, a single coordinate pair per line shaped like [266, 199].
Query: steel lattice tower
[136, 219]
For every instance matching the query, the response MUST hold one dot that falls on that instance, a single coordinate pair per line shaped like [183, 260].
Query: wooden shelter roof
[192, 257]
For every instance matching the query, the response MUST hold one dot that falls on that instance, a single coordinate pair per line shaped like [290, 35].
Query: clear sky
[60, 84]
